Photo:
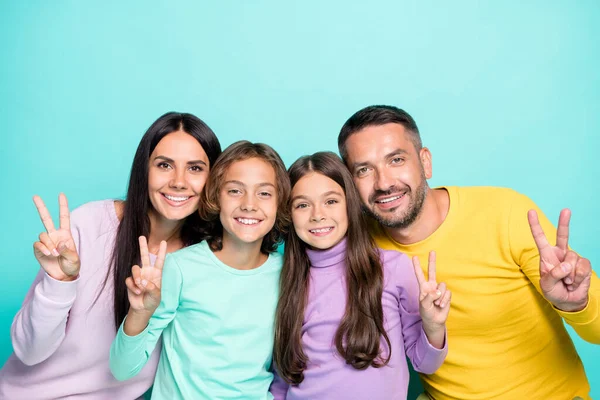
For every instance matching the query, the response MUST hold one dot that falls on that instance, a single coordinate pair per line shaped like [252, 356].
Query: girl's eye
[264, 194]
[331, 201]
[234, 191]
[163, 165]
[196, 168]
[301, 205]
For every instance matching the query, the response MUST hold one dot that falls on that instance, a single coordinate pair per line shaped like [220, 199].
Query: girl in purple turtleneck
[349, 313]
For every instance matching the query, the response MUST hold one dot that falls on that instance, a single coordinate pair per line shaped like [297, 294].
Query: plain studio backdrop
[504, 93]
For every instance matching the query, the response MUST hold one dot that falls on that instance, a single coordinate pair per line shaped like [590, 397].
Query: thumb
[557, 273]
[68, 254]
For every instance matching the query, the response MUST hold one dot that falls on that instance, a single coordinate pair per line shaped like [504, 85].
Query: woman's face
[177, 171]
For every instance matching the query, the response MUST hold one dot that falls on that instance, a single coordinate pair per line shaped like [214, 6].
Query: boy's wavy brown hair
[210, 209]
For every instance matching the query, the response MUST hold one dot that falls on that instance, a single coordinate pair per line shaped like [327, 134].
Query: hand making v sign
[564, 276]
[434, 302]
[55, 250]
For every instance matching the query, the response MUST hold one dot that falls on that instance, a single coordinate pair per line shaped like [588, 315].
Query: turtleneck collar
[329, 257]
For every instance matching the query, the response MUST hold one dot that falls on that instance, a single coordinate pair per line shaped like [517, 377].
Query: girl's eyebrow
[301, 196]
[167, 159]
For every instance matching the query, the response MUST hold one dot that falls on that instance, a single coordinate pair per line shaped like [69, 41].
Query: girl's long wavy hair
[135, 221]
[361, 329]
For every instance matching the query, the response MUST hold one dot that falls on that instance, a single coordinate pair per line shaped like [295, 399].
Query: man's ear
[425, 156]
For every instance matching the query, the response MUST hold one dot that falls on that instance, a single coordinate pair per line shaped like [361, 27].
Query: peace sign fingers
[431, 267]
[65, 216]
[144, 254]
[562, 232]
[162, 253]
[44, 214]
[418, 271]
[538, 233]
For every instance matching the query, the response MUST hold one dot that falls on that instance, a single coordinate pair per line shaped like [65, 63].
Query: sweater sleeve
[39, 327]
[424, 357]
[129, 354]
[525, 253]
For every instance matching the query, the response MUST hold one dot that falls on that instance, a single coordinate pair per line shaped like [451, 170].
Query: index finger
[562, 233]
[144, 255]
[44, 214]
[431, 267]
[162, 253]
[418, 270]
[536, 230]
[65, 217]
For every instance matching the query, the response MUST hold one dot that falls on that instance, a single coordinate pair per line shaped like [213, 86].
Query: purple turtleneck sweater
[327, 376]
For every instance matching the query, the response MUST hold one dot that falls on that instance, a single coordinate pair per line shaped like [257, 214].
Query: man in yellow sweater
[506, 338]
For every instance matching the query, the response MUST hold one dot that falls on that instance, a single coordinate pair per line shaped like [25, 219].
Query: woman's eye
[163, 165]
[196, 168]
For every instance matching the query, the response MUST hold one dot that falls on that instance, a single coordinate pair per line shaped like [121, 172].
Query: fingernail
[46, 253]
[565, 267]
[438, 293]
[442, 305]
[570, 288]
[144, 282]
[55, 253]
[138, 282]
[568, 280]
[138, 292]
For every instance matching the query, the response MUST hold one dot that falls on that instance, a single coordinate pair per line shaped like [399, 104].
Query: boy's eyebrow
[240, 183]
[167, 159]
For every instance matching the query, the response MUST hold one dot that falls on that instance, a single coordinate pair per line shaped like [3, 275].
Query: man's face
[390, 174]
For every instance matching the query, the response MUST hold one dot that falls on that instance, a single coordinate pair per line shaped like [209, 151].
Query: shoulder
[275, 260]
[95, 216]
[488, 197]
[393, 261]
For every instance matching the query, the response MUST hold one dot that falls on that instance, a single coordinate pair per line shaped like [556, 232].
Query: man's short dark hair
[377, 115]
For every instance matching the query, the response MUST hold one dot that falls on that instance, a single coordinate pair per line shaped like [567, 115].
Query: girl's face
[177, 171]
[248, 201]
[319, 211]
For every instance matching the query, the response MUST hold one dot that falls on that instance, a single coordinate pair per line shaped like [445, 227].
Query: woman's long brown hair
[358, 336]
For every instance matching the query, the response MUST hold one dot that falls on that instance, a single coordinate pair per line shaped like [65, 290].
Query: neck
[162, 229]
[240, 255]
[432, 215]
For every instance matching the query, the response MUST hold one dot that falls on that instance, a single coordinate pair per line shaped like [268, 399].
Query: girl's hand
[55, 250]
[143, 287]
[434, 302]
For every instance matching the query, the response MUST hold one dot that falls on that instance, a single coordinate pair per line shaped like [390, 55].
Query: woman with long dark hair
[62, 334]
[349, 313]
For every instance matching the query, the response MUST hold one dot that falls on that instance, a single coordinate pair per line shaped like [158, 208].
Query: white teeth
[388, 199]
[176, 198]
[248, 221]
[320, 230]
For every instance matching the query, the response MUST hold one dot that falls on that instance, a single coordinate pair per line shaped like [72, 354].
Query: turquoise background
[505, 93]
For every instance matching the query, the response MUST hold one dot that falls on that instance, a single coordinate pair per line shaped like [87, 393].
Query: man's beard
[417, 199]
